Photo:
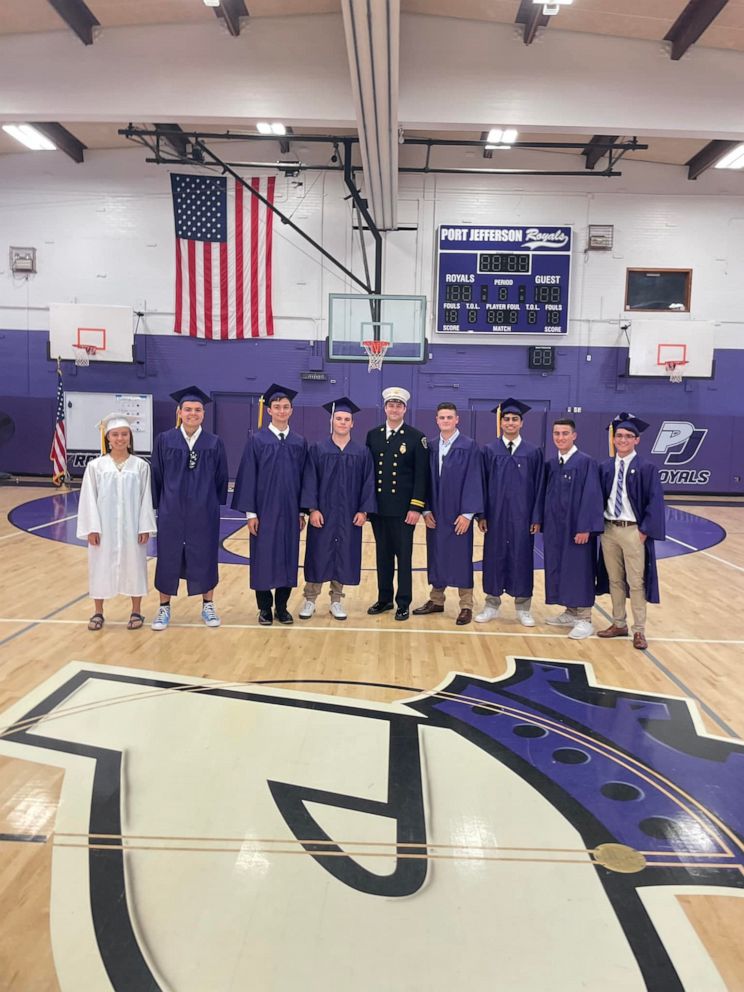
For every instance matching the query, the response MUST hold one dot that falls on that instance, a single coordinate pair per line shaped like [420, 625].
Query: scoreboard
[503, 280]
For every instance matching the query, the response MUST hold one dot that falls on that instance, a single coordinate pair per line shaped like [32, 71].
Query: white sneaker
[162, 618]
[308, 608]
[209, 615]
[338, 611]
[581, 629]
[488, 613]
[525, 618]
[564, 619]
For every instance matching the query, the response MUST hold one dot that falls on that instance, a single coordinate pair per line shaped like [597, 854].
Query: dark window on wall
[666, 290]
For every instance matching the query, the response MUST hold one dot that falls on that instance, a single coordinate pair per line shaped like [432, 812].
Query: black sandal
[96, 621]
[135, 621]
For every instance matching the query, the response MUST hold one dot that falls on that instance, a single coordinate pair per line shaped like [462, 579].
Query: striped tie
[619, 490]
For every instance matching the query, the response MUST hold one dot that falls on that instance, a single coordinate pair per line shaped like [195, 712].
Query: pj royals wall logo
[680, 441]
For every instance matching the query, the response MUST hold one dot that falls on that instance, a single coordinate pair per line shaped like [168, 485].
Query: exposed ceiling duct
[372, 41]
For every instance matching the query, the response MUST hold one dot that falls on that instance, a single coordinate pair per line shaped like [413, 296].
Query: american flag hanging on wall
[223, 257]
[58, 454]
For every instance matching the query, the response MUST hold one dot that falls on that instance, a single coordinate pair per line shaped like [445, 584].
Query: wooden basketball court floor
[328, 806]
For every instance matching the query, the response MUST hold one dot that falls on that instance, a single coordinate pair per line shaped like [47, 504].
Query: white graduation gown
[117, 504]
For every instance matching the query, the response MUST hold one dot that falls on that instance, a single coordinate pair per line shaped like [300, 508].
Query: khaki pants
[580, 612]
[466, 597]
[625, 560]
[312, 591]
[521, 603]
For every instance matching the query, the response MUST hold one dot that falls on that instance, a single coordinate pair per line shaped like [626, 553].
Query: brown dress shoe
[427, 608]
[639, 641]
[463, 617]
[613, 631]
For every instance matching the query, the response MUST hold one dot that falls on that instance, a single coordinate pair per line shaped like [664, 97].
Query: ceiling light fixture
[30, 137]
[211, 3]
[498, 138]
[549, 9]
[263, 127]
[733, 159]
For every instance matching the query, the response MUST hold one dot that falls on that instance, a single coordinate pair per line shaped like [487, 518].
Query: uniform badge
[403, 448]
[424, 442]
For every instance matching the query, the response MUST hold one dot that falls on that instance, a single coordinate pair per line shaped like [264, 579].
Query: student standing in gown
[116, 517]
[572, 519]
[338, 490]
[455, 496]
[189, 484]
[513, 472]
[634, 520]
[267, 490]
[402, 467]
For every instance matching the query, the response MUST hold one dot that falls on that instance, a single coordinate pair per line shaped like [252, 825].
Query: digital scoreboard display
[503, 280]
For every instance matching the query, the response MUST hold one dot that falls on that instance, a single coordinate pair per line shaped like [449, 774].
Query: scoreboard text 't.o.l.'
[504, 280]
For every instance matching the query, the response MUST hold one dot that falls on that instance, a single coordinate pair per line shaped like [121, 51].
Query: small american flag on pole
[223, 257]
[58, 454]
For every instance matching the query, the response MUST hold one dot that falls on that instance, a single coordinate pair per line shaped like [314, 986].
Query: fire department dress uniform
[401, 469]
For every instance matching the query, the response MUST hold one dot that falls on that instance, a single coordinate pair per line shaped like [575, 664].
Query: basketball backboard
[107, 333]
[655, 345]
[398, 320]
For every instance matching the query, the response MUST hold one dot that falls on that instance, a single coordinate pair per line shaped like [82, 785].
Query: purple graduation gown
[188, 503]
[573, 505]
[514, 498]
[458, 489]
[646, 496]
[268, 484]
[339, 483]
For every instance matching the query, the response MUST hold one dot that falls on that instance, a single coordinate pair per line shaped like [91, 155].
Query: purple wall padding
[475, 377]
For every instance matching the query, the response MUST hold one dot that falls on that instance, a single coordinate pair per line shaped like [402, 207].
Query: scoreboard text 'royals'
[503, 280]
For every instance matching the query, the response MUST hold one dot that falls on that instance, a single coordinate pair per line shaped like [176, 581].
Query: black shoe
[379, 607]
[265, 618]
[283, 616]
[401, 613]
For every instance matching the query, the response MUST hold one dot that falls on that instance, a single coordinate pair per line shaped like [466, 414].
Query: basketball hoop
[376, 351]
[83, 354]
[674, 370]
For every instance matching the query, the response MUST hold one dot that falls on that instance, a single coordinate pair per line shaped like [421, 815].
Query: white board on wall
[110, 330]
[654, 342]
[84, 411]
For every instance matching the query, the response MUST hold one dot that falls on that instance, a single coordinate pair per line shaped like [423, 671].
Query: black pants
[394, 539]
[279, 599]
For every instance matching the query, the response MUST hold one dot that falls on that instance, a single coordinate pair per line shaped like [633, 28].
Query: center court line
[30, 530]
[343, 628]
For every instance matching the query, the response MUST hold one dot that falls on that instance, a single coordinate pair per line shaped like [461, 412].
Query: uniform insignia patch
[403, 448]
[424, 442]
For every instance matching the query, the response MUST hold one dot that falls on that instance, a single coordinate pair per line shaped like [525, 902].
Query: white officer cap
[396, 393]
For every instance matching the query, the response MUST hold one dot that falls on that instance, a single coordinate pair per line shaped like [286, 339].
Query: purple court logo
[679, 441]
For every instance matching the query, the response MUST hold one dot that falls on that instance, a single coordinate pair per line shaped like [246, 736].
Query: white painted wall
[104, 234]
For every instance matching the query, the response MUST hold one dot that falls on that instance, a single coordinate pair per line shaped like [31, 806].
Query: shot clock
[504, 280]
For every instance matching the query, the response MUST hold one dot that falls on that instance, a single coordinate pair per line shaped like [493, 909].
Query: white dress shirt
[571, 451]
[627, 510]
[191, 441]
[515, 443]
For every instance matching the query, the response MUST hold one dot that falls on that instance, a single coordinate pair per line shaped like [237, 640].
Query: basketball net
[675, 370]
[82, 354]
[376, 351]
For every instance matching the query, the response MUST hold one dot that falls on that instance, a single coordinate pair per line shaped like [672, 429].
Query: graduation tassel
[103, 440]
[611, 439]
[498, 421]
[333, 410]
[178, 417]
[261, 402]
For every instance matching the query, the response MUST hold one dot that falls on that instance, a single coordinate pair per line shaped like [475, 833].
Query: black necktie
[510, 446]
[560, 462]
[281, 436]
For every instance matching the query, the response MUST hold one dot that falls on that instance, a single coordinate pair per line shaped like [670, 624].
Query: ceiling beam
[231, 11]
[708, 156]
[531, 16]
[77, 16]
[596, 149]
[697, 16]
[64, 140]
[173, 134]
